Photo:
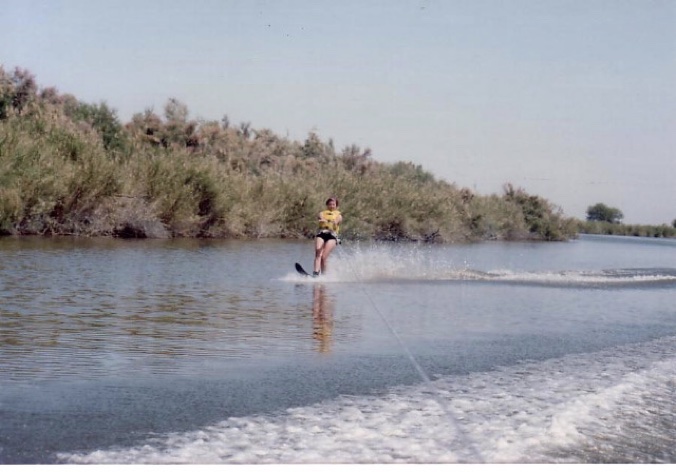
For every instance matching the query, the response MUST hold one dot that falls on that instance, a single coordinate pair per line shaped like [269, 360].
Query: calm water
[218, 352]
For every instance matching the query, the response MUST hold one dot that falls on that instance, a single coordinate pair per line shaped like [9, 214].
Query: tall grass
[73, 168]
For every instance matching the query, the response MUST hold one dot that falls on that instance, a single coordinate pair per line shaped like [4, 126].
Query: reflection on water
[87, 308]
[106, 308]
[105, 343]
[322, 316]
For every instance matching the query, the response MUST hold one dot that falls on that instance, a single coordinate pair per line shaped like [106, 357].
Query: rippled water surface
[219, 352]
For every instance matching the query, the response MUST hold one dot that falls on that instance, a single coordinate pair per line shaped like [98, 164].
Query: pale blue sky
[572, 100]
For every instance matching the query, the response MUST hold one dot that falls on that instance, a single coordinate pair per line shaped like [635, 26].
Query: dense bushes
[72, 168]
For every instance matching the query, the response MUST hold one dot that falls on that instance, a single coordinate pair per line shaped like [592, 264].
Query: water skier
[327, 238]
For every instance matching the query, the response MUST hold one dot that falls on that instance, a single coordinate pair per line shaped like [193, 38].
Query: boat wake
[376, 266]
[610, 277]
[578, 408]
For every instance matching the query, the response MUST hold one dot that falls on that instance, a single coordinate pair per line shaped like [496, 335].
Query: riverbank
[72, 168]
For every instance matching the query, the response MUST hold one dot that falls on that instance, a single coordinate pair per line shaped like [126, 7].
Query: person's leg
[328, 247]
[319, 246]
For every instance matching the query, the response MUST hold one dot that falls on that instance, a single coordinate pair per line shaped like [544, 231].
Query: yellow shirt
[330, 217]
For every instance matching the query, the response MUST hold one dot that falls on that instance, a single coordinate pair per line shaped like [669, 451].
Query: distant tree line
[603, 219]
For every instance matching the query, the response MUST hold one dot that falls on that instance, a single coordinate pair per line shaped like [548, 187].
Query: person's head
[332, 203]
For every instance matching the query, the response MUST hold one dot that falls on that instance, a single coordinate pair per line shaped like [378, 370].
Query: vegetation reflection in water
[116, 305]
[167, 326]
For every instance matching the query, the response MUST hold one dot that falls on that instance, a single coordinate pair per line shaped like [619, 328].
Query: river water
[205, 352]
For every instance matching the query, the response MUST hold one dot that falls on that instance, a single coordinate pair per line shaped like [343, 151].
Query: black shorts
[326, 235]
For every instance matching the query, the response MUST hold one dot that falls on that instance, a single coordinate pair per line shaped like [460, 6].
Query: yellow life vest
[330, 217]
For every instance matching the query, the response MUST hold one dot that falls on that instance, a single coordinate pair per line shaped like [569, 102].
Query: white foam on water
[385, 263]
[411, 263]
[413, 273]
[516, 414]
[579, 277]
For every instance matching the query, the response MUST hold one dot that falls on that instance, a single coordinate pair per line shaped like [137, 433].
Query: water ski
[300, 270]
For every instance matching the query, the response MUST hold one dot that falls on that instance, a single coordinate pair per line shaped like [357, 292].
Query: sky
[571, 100]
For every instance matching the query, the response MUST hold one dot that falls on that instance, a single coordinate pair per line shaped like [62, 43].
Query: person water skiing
[327, 237]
